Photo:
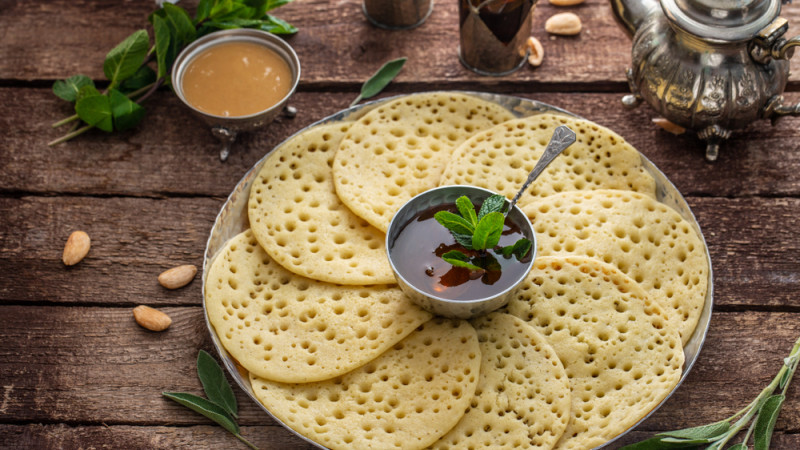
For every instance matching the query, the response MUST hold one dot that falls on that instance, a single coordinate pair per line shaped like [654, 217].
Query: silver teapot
[711, 66]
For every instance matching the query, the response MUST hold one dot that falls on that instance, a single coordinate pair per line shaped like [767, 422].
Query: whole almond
[536, 54]
[669, 126]
[177, 277]
[565, 2]
[76, 248]
[151, 318]
[564, 24]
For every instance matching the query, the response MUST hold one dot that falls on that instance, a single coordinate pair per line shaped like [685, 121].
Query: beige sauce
[236, 79]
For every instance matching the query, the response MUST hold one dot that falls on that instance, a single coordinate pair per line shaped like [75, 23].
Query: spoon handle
[562, 138]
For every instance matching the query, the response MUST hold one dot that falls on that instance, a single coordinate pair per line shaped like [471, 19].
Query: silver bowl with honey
[236, 80]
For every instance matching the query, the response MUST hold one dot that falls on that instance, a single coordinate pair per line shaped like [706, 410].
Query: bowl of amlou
[301, 306]
[236, 80]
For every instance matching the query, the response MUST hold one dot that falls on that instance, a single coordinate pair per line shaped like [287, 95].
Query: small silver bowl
[226, 128]
[461, 309]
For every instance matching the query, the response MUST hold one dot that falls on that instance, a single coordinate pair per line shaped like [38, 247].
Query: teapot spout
[631, 13]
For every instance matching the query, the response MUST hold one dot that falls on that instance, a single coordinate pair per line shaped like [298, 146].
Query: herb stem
[65, 121]
[241, 438]
[75, 117]
[150, 90]
[355, 102]
[69, 136]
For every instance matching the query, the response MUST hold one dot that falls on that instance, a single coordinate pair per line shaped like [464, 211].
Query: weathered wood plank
[336, 44]
[88, 366]
[172, 153]
[753, 244]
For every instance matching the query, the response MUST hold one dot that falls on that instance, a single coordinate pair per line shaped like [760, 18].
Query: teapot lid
[722, 20]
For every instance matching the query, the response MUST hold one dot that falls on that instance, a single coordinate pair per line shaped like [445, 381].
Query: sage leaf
[487, 233]
[467, 209]
[739, 446]
[68, 89]
[143, 77]
[126, 113]
[519, 249]
[203, 11]
[206, 408]
[380, 79]
[94, 109]
[458, 259]
[495, 203]
[710, 431]
[163, 44]
[463, 239]
[765, 422]
[124, 59]
[214, 383]
[180, 22]
[655, 443]
[454, 222]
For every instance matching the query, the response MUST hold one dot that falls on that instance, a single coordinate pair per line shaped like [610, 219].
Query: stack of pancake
[305, 299]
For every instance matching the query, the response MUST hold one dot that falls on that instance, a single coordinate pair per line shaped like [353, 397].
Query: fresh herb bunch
[128, 65]
[479, 232]
[221, 404]
[761, 414]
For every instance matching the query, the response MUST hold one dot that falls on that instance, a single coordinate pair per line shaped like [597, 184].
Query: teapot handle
[785, 49]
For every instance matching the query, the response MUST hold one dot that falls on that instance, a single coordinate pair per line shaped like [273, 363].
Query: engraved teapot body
[711, 66]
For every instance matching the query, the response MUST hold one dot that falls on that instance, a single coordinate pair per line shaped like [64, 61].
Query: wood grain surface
[76, 371]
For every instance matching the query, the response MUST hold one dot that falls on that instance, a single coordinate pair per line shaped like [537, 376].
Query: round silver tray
[232, 220]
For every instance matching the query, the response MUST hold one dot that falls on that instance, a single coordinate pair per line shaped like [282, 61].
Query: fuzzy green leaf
[214, 383]
[487, 233]
[495, 203]
[94, 108]
[381, 79]
[127, 114]
[467, 210]
[454, 222]
[68, 89]
[655, 443]
[206, 408]
[765, 423]
[458, 259]
[181, 23]
[124, 59]
[739, 446]
[710, 431]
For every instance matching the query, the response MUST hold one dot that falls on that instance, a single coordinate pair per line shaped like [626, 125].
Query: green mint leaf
[519, 249]
[126, 113]
[163, 44]
[231, 24]
[467, 210]
[94, 108]
[143, 77]
[206, 408]
[214, 383]
[181, 23]
[259, 7]
[380, 79]
[463, 239]
[68, 89]
[124, 59]
[487, 233]
[454, 222]
[272, 4]
[274, 25]
[495, 203]
[203, 11]
[221, 8]
[765, 423]
[458, 259]
[237, 11]
[710, 431]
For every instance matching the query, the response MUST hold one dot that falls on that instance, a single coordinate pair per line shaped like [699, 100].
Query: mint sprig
[761, 414]
[220, 406]
[479, 231]
[128, 65]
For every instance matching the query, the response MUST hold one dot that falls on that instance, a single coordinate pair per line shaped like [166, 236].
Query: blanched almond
[177, 277]
[565, 2]
[536, 54]
[151, 318]
[669, 126]
[76, 248]
[564, 24]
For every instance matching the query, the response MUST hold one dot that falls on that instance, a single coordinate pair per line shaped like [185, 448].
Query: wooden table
[77, 372]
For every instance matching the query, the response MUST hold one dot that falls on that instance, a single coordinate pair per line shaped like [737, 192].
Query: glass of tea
[493, 34]
[397, 14]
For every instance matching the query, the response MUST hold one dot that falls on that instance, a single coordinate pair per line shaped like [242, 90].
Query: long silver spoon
[562, 138]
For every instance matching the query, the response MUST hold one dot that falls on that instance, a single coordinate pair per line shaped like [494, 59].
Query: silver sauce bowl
[461, 309]
[226, 128]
